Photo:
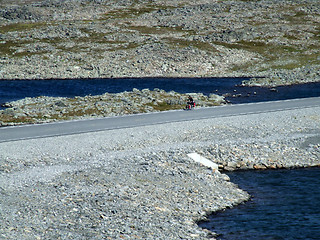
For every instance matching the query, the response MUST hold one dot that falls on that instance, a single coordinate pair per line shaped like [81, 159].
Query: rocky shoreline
[45, 109]
[139, 183]
[275, 40]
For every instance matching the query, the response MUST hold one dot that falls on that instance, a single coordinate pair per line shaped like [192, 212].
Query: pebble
[140, 183]
[47, 109]
[108, 39]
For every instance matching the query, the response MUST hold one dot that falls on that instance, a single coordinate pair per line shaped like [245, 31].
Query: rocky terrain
[46, 109]
[139, 183]
[278, 40]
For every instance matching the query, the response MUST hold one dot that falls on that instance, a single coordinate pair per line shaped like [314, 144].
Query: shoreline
[138, 183]
[122, 184]
[271, 79]
[45, 109]
[257, 81]
[42, 108]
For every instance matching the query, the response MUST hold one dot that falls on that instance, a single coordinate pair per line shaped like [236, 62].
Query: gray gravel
[138, 183]
[48, 39]
[46, 109]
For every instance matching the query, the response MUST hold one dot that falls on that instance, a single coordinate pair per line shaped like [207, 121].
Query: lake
[11, 90]
[284, 205]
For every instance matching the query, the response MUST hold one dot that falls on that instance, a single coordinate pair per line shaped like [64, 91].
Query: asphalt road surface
[23, 132]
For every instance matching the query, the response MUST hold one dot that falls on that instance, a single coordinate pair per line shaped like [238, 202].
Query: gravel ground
[138, 183]
[45, 109]
[50, 39]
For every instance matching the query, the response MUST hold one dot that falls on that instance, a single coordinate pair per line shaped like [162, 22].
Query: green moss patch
[21, 27]
[180, 42]
[9, 48]
[133, 11]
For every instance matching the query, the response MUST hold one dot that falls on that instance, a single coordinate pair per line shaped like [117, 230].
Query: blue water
[18, 89]
[285, 204]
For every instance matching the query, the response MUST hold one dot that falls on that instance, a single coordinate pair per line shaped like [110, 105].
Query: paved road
[8, 134]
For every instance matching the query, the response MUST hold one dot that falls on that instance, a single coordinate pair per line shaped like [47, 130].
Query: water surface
[284, 205]
[11, 90]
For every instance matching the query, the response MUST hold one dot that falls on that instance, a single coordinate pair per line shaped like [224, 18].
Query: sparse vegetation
[44, 109]
[283, 36]
[21, 27]
[133, 11]
[181, 42]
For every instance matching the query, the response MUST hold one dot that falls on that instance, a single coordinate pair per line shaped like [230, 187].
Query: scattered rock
[107, 39]
[46, 109]
[121, 184]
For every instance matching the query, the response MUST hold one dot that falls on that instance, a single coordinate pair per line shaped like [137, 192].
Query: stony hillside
[276, 39]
